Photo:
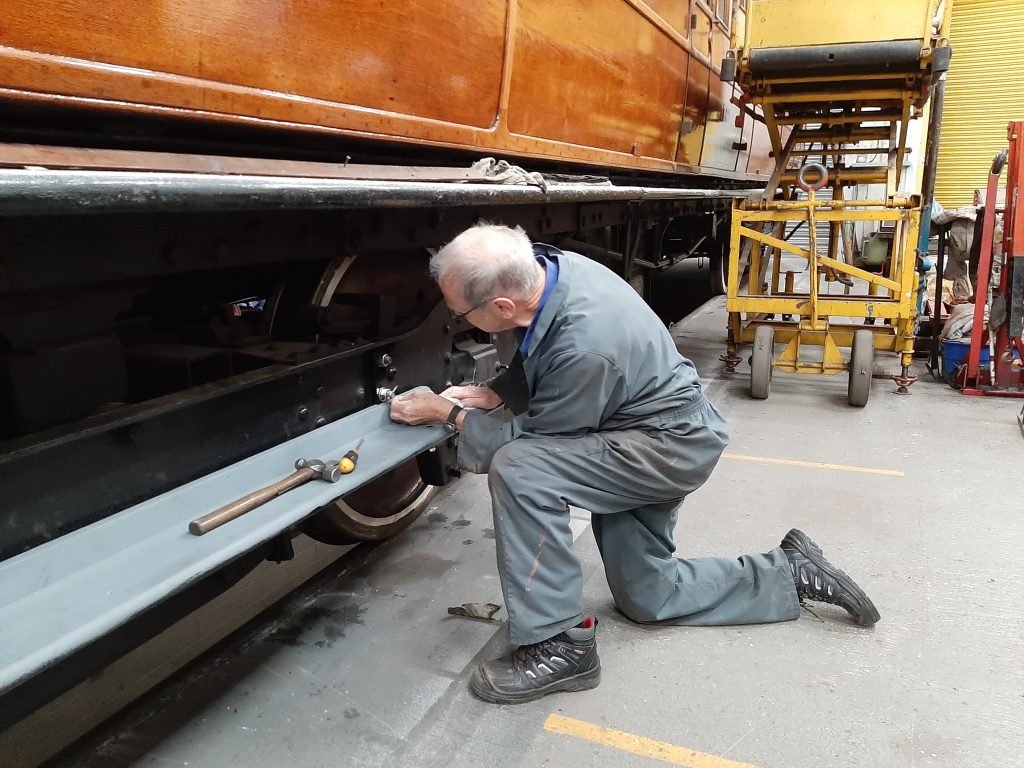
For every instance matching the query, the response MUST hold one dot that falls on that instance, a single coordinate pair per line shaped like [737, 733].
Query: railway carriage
[216, 217]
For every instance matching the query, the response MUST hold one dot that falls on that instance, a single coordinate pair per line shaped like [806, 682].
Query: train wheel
[718, 275]
[389, 504]
[376, 511]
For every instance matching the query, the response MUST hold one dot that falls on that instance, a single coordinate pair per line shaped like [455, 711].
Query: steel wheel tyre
[389, 504]
[761, 362]
[718, 275]
[377, 511]
[862, 365]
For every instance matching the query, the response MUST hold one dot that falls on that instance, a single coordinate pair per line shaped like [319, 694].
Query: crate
[955, 352]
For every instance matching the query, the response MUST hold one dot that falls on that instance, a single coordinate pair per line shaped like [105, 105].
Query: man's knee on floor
[641, 614]
[640, 605]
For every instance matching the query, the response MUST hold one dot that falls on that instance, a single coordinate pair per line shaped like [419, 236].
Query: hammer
[305, 470]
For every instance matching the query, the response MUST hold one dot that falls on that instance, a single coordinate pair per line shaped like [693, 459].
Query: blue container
[955, 352]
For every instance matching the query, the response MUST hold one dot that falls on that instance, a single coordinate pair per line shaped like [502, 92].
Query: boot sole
[868, 615]
[581, 682]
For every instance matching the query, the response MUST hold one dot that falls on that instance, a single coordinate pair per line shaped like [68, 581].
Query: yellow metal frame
[891, 294]
[821, 117]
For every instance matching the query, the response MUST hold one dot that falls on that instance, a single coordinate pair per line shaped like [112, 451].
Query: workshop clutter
[978, 251]
[954, 354]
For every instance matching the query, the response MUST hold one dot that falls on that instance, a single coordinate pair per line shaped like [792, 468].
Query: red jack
[1004, 375]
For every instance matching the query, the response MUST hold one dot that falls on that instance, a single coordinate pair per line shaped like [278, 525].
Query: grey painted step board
[64, 594]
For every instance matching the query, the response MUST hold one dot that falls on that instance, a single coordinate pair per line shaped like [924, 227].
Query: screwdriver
[348, 462]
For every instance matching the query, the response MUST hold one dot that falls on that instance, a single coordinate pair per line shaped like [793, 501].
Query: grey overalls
[616, 424]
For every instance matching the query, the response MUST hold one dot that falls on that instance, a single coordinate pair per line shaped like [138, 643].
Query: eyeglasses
[461, 315]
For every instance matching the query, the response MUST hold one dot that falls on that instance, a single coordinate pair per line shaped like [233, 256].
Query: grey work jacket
[599, 359]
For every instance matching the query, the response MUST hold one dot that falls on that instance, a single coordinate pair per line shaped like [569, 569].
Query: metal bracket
[474, 361]
[438, 465]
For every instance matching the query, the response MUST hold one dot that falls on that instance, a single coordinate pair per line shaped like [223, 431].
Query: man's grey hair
[489, 260]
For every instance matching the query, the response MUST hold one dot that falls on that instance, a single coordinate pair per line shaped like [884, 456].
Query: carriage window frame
[723, 13]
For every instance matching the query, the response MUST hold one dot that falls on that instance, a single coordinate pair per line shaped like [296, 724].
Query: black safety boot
[565, 662]
[817, 579]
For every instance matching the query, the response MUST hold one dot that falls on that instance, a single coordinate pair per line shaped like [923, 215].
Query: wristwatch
[453, 414]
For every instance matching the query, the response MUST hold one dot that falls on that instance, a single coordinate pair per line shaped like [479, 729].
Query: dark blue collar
[550, 279]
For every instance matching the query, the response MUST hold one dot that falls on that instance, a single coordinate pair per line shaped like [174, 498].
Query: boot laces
[535, 652]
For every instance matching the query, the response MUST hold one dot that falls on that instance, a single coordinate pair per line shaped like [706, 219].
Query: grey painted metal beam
[42, 192]
[59, 597]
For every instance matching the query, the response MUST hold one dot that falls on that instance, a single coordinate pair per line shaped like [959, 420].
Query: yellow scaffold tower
[832, 80]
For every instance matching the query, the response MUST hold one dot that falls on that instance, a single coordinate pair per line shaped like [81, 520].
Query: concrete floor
[364, 667]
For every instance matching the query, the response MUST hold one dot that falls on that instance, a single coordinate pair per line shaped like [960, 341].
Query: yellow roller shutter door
[984, 92]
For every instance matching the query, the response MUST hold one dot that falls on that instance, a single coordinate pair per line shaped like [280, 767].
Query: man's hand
[474, 397]
[420, 408]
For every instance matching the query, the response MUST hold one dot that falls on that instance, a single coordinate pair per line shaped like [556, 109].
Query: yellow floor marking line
[638, 745]
[814, 464]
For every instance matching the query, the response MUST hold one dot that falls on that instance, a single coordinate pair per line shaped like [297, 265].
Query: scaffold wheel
[862, 364]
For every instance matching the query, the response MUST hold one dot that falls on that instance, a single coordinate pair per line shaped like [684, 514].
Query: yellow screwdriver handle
[348, 462]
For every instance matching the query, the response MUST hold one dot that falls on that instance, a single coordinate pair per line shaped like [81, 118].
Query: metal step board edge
[66, 593]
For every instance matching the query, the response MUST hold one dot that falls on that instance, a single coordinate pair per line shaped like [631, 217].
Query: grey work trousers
[632, 481]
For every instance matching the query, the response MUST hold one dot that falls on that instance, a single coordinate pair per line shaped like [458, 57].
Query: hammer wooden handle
[239, 507]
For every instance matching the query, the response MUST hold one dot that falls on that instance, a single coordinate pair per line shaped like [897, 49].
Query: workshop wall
[983, 94]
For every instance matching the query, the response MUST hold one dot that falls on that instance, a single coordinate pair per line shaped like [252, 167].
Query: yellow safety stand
[828, 76]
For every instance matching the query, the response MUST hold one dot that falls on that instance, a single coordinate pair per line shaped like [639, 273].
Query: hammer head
[324, 470]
